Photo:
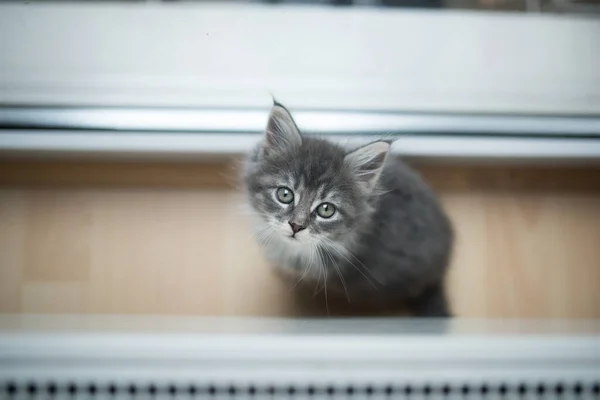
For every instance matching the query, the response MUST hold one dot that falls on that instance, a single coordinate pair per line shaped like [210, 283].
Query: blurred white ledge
[208, 133]
[325, 122]
[182, 146]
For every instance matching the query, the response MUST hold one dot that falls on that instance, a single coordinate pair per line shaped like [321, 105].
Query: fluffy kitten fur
[388, 243]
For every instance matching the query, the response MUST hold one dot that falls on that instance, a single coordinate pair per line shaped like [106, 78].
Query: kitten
[360, 224]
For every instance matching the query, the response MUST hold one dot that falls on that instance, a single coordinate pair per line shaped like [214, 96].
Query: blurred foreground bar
[235, 358]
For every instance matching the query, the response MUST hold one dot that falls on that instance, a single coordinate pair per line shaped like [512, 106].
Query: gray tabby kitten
[360, 225]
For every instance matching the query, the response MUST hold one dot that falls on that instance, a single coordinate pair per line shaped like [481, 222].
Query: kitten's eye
[285, 195]
[326, 210]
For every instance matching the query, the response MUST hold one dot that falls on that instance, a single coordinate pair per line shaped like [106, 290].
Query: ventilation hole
[291, 390]
[559, 388]
[31, 389]
[350, 390]
[132, 390]
[271, 390]
[446, 389]
[502, 389]
[596, 388]
[192, 390]
[252, 390]
[152, 390]
[408, 390]
[172, 390]
[212, 389]
[51, 388]
[427, 390]
[92, 389]
[389, 390]
[578, 388]
[232, 390]
[310, 390]
[484, 389]
[465, 390]
[330, 390]
[541, 389]
[72, 389]
[369, 390]
[522, 389]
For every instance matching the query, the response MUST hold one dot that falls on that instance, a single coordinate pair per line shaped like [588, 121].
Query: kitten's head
[308, 191]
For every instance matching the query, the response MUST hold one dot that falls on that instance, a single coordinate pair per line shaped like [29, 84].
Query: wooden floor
[170, 239]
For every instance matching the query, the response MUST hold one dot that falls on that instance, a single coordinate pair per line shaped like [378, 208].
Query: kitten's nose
[295, 227]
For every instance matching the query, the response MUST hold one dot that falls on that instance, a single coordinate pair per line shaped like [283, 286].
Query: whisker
[317, 289]
[322, 273]
[268, 236]
[355, 267]
[326, 300]
[337, 269]
[261, 234]
[365, 267]
[349, 253]
[306, 271]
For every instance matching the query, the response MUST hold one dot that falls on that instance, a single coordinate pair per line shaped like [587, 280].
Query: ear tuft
[281, 134]
[367, 163]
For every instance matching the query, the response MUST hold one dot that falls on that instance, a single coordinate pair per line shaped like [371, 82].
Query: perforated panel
[434, 390]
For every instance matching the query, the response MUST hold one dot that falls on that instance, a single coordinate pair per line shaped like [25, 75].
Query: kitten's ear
[367, 163]
[282, 133]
